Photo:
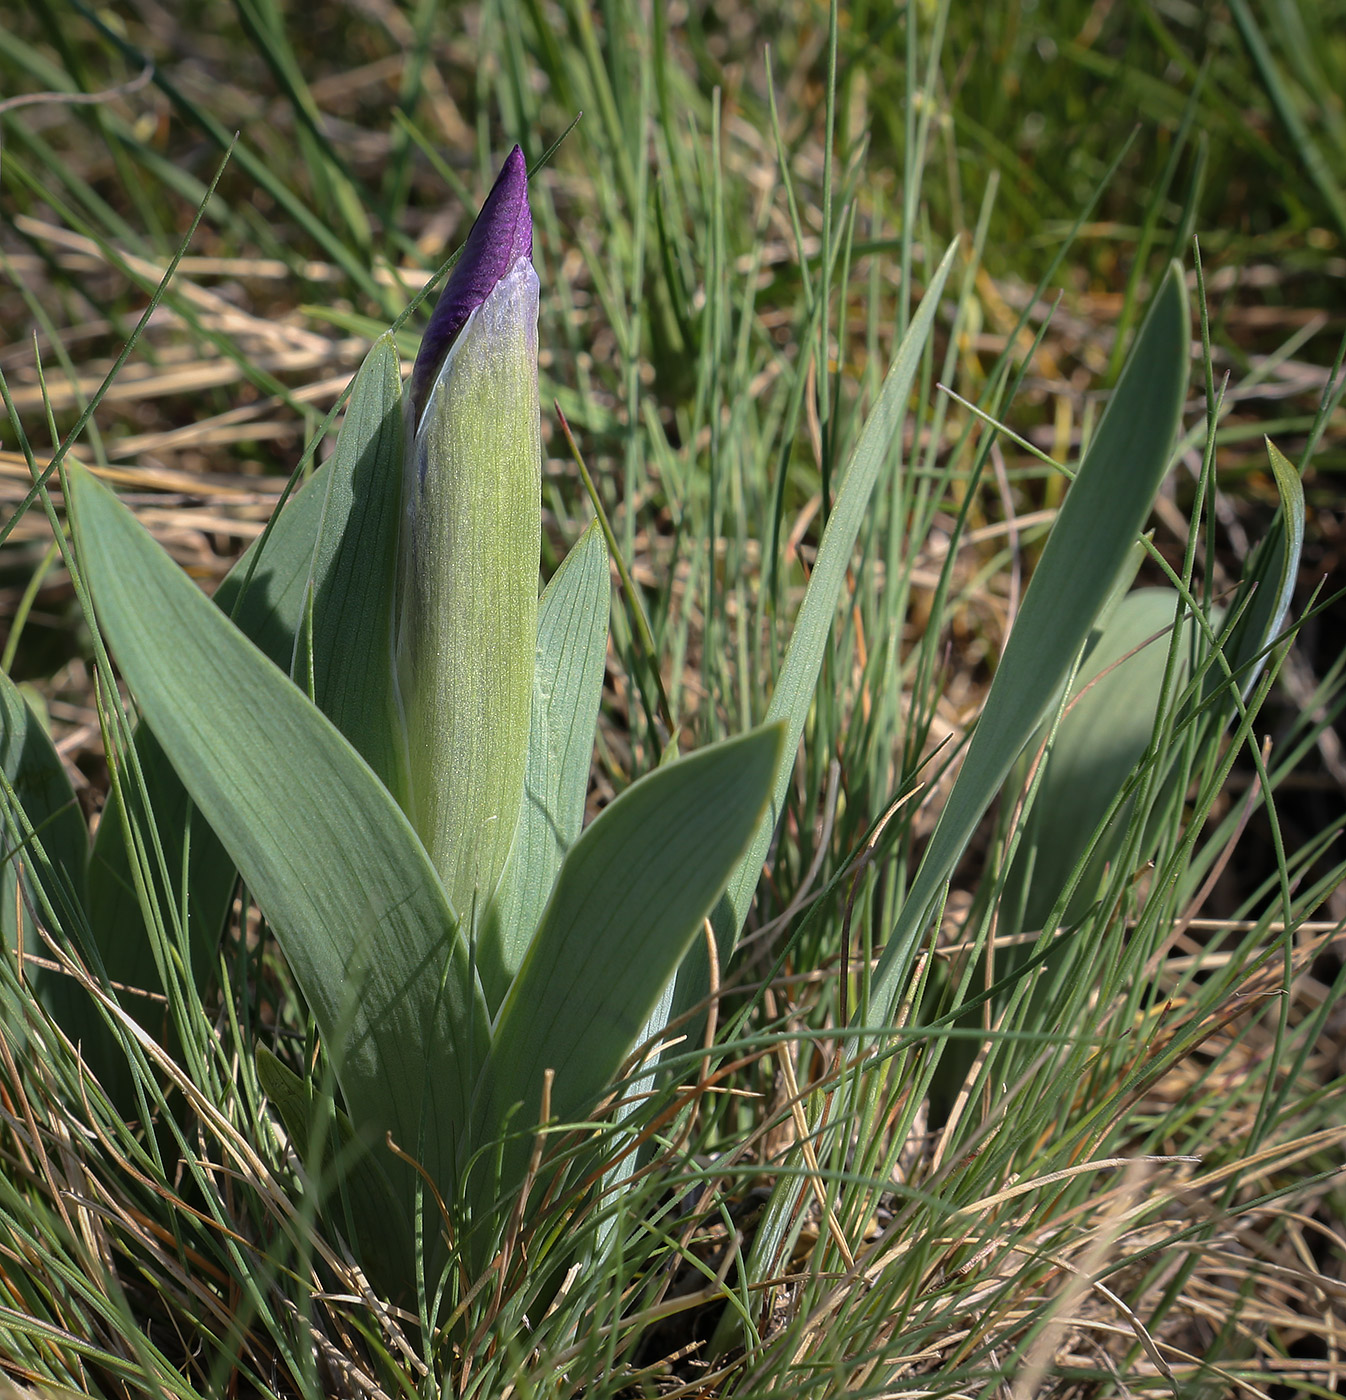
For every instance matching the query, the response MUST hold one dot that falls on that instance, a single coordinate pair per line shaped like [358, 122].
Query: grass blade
[793, 695]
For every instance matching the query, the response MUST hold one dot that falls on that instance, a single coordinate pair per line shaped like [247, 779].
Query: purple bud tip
[502, 234]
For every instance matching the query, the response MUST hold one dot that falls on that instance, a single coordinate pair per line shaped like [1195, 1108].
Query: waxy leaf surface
[322, 845]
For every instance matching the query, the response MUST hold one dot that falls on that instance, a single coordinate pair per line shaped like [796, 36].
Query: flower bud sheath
[469, 551]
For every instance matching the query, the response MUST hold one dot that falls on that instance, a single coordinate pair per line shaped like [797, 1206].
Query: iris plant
[386, 733]
[409, 815]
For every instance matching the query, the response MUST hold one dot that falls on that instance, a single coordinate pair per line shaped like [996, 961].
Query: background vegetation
[731, 239]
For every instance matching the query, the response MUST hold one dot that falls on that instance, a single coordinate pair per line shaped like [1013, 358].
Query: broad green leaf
[354, 572]
[324, 848]
[1100, 740]
[1102, 515]
[48, 817]
[385, 1242]
[1262, 598]
[629, 901]
[572, 643]
[266, 593]
[268, 611]
[293, 1099]
[793, 695]
[1104, 732]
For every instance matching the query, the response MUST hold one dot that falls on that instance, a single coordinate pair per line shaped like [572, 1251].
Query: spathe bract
[501, 235]
[471, 534]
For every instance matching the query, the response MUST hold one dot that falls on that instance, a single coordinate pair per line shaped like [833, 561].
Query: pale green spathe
[468, 596]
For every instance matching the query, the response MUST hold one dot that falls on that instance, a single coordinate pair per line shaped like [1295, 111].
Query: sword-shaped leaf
[383, 1233]
[1262, 598]
[628, 903]
[305, 553]
[1103, 512]
[44, 847]
[354, 573]
[322, 845]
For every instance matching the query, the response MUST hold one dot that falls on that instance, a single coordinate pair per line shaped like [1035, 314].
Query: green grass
[1118, 1176]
